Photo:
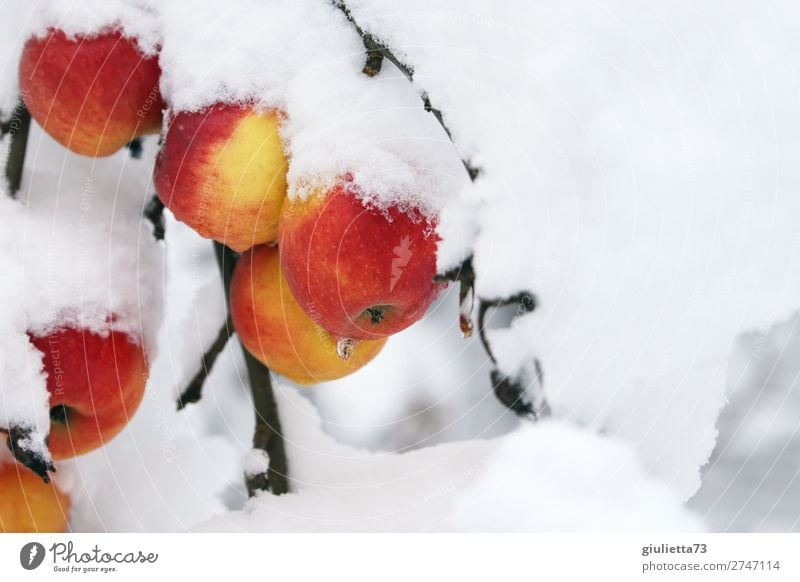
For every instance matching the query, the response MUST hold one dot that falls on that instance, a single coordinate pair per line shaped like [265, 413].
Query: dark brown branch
[267, 436]
[525, 302]
[194, 391]
[18, 127]
[154, 212]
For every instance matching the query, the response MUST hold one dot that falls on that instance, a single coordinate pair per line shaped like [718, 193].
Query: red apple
[276, 330]
[222, 171]
[91, 94]
[28, 504]
[358, 271]
[96, 382]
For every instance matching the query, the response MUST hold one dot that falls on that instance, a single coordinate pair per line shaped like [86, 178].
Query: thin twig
[194, 391]
[267, 436]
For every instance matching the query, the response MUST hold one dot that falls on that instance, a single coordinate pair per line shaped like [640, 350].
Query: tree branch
[267, 436]
[194, 391]
[18, 127]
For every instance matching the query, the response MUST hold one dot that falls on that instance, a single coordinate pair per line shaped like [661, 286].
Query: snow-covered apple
[28, 504]
[276, 330]
[222, 171]
[360, 271]
[96, 381]
[91, 94]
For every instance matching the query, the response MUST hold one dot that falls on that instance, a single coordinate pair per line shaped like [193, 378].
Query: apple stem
[194, 391]
[18, 127]
[267, 435]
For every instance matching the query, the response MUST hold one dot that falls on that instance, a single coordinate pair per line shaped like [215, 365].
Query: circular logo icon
[31, 555]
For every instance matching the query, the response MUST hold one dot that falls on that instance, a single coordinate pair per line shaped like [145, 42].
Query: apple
[28, 504]
[92, 94]
[222, 171]
[276, 330]
[360, 271]
[96, 382]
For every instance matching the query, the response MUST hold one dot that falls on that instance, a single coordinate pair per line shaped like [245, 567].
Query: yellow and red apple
[28, 504]
[222, 171]
[363, 272]
[96, 382]
[276, 330]
[92, 94]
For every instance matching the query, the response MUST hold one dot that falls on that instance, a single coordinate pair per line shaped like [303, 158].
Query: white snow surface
[76, 252]
[549, 477]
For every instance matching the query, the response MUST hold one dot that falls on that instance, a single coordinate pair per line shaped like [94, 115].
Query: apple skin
[360, 272]
[222, 171]
[276, 330]
[28, 504]
[94, 94]
[96, 382]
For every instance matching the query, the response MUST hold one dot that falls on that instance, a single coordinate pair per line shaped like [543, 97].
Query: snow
[752, 482]
[136, 19]
[76, 252]
[638, 175]
[638, 179]
[303, 58]
[550, 477]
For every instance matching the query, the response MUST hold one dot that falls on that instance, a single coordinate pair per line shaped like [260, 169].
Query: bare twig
[194, 391]
[267, 436]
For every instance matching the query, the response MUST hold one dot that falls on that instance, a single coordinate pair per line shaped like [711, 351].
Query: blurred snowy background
[641, 178]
